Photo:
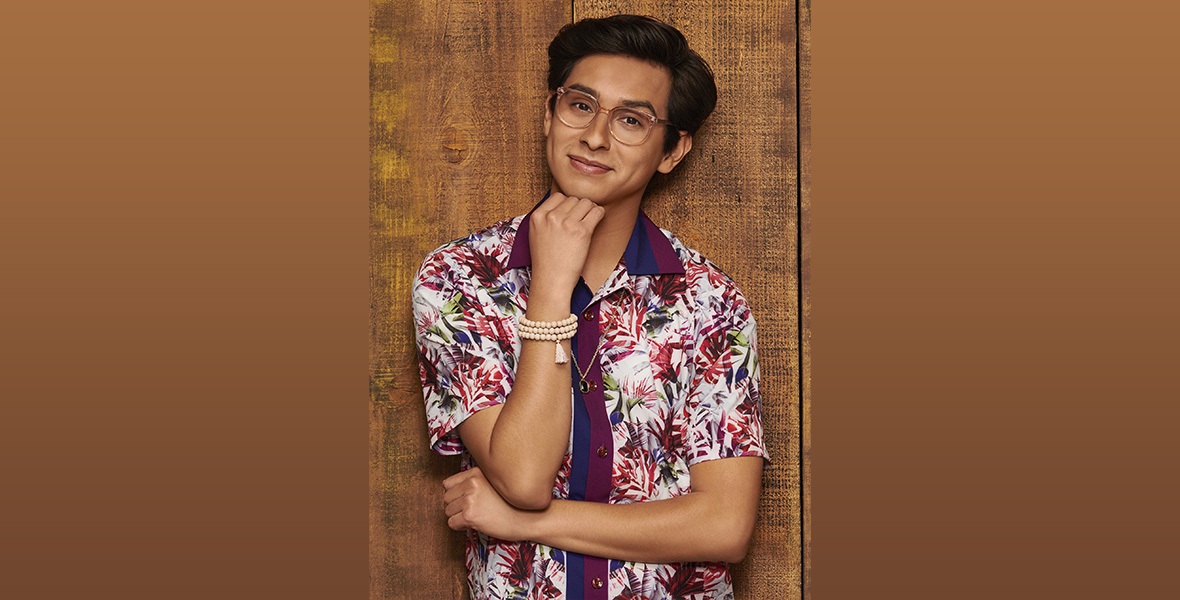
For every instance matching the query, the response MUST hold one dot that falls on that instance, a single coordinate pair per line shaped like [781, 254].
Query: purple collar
[648, 251]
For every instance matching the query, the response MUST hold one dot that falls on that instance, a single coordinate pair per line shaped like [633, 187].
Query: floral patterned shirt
[674, 384]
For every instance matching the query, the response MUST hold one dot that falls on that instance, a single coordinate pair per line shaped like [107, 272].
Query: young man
[632, 469]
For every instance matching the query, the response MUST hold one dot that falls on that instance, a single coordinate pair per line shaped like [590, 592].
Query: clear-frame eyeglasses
[629, 125]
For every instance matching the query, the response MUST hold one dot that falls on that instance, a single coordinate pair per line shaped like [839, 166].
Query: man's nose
[597, 133]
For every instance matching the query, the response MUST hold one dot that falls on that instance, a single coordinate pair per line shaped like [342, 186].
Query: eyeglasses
[628, 125]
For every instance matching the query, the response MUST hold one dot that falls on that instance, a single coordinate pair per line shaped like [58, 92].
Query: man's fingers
[572, 213]
[453, 494]
[458, 478]
[566, 208]
[454, 480]
[457, 522]
[594, 215]
[582, 208]
[455, 507]
[555, 200]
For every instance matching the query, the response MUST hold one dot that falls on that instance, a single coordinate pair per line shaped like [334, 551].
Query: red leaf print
[683, 582]
[518, 562]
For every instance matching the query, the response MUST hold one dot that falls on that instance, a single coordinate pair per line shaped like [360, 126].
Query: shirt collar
[648, 251]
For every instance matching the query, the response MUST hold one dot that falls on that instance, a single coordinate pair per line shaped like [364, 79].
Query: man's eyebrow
[628, 103]
[640, 104]
[582, 88]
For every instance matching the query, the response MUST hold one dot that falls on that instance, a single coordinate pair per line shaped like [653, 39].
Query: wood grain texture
[456, 144]
[804, 28]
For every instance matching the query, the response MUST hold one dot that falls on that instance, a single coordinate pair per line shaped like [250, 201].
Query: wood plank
[735, 199]
[804, 28]
[457, 98]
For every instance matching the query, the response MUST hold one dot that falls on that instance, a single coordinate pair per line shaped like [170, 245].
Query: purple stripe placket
[601, 459]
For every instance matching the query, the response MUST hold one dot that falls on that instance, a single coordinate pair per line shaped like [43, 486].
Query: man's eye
[630, 121]
[582, 106]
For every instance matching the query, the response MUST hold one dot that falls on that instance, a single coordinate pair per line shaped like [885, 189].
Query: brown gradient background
[994, 263]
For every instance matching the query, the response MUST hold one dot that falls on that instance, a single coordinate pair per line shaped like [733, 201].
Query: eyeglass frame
[562, 90]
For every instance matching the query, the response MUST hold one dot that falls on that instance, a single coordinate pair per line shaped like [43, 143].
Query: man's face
[590, 163]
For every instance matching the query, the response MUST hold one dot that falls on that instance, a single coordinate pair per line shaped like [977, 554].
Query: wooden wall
[456, 144]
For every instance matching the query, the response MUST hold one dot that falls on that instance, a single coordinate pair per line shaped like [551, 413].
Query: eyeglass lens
[628, 125]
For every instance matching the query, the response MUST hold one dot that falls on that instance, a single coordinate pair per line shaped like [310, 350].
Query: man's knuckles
[457, 523]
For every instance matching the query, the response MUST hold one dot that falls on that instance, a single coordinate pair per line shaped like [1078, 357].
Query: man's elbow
[526, 496]
[531, 501]
[734, 541]
[737, 551]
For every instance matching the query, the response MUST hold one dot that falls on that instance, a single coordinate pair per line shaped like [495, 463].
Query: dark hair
[693, 95]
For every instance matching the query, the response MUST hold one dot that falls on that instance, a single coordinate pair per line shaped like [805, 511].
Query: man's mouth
[586, 165]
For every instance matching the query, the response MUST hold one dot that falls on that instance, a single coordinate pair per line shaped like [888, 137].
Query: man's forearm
[521, 444]
[712, 523]
[690, 528]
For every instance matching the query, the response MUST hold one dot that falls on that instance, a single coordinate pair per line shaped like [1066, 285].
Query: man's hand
[559, 241]
[472, 503]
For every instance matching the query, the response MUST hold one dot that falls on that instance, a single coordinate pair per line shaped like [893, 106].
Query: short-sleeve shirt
[674, 383]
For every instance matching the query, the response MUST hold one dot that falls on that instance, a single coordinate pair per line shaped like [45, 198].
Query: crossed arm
[713, 522]
[520, 445]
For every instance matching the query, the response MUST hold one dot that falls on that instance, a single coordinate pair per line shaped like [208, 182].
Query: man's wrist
[534, 523]
[548, 304]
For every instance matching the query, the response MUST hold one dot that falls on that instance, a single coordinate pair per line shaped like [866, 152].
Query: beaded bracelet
[550, 331]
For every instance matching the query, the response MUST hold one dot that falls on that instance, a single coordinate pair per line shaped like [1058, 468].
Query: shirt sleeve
[724, 405]
[463, 361]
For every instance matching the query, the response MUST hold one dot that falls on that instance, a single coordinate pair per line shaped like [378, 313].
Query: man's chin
[578, 189]
[598, 192]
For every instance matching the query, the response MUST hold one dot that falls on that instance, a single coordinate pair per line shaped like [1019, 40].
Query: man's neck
[608, 243]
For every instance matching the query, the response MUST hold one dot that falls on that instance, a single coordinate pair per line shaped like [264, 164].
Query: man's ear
[676, 154]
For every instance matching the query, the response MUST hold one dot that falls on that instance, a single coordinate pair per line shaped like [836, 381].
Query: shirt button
[602, 451]
[593, 385]
[596, 583]
[588, 315]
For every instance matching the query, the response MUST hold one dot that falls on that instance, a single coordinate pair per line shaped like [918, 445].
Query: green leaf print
[451, 307]
[609, 382]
